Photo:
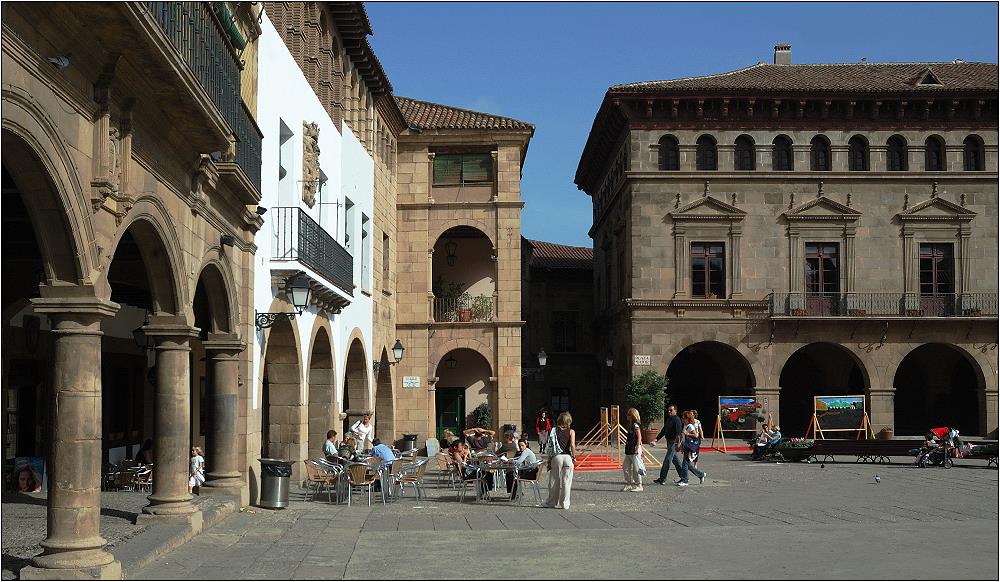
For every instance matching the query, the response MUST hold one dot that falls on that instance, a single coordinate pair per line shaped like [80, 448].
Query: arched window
[781, 154]
[934, 160]
[819, 154]
[895, 154]
[707, 155]
[744, 153]
[669, 156]
[973, 154]
[857, 154]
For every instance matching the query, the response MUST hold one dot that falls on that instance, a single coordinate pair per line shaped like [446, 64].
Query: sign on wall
[411, 381]
[642, 360]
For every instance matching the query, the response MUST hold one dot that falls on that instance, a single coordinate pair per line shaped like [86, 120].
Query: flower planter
[465, 314]
[648, 435]
[795, 454]
[800, 312]
[914, 312]
[857, 312]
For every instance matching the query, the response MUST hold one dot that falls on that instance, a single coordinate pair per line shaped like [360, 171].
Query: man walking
[674, 433]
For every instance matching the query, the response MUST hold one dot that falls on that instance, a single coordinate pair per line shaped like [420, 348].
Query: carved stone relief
[310, 162]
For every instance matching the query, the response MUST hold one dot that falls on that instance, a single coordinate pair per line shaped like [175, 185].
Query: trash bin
[275, 475]
[409, 441]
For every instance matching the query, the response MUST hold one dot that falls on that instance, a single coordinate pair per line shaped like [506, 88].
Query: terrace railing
[297, 237]
[875, 304]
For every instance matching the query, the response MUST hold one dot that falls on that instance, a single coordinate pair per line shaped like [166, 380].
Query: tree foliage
[647, 393]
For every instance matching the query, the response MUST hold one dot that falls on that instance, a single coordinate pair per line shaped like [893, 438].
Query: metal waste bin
[409, 441]
[275, 475]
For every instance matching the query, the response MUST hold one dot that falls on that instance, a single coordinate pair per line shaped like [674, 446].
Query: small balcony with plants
[464, 277]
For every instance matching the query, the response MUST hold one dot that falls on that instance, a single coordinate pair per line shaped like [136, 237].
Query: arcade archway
[818, 369]
[702, 372]
[939, 385]
[463, 384]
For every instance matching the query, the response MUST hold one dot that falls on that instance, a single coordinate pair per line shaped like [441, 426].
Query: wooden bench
[864, 451]
[990, 455]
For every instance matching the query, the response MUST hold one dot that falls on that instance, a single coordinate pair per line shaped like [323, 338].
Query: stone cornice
[828, 177]
[458, 205]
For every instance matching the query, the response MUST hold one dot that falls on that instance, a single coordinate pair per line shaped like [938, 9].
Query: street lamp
[298, 291]
[450, 247]
[609, 361]
[143, 341]
[450, 362]
[542, 357]
[397, 353]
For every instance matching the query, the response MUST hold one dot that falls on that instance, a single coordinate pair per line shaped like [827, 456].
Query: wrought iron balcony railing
[869, 305]
[297, 237]
[201, 40]
[464, 308]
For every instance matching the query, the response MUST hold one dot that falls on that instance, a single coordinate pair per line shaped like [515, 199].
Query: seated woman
[462, 456]
[526, 463]
[761, 445]
[347, 449]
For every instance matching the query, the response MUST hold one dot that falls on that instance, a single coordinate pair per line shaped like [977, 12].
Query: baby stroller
[942, 455]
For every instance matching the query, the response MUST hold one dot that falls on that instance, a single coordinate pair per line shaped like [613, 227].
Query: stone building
[788, 231]
[458, 261]
[131, 170]
[557, 290]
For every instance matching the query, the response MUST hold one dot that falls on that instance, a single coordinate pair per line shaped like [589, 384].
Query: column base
[222, 487]
[111, 571]
[194, 519]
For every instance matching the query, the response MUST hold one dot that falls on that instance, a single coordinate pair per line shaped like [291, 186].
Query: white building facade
[312, 370]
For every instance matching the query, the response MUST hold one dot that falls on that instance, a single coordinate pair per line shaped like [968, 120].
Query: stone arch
[461, 387]
[283, 417]
[479, 225]
[219, 299]
[356, 392]
[34, 154]
[150, 224]
[385, 400]
[321, 386]
[702, 371]
[481, 348]
[219, 269]
[939, 384]
[819, 369]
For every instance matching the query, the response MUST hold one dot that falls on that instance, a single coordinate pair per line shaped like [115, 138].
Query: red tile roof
[427, 115]
[854, 77]
[548, 255]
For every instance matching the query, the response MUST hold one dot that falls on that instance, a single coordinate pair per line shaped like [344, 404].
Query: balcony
[882, 305]
[464, 308]
[297, 237]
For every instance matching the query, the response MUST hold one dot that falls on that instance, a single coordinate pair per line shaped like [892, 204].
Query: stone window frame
[725, 226]
[839, 226]
[954, 227]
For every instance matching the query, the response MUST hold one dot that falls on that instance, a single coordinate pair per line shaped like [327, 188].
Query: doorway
[449, 406]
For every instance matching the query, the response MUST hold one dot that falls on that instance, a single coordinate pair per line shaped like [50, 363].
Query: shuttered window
[457, 169]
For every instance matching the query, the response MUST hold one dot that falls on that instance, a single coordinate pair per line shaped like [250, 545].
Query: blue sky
[550, 63]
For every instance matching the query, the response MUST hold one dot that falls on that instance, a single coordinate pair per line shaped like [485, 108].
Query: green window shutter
[447, 170]
[476, 168]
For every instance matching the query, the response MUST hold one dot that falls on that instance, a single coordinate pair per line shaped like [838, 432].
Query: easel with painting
[738, 413]
[832, 413]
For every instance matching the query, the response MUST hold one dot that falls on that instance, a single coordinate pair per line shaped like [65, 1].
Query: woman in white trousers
[562, 445]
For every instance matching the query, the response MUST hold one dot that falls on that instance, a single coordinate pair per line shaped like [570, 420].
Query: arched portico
[702, 372]
[939, 384]
[357, 393]
[322, 389]
[385, 404]
[284, 420]
[817, 369]
[465, 380]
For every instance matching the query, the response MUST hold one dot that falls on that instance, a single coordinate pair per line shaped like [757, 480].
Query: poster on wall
[28, 474]
[839, 412]
[738, 413]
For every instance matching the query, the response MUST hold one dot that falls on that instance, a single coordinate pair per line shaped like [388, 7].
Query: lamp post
[397, 354]
[298, 291]
[450, 247]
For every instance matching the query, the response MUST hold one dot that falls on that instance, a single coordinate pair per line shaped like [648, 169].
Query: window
[708, 270]
[819, 154]
[669, 156]
[822, 268]
[934, 154]
[560, 400]
[707, 156]
[857, 154]
[564, 331]
[366, 258]
[937, 269]
[458, 169]
[744, 153]
[349, 214]
[781, 154]
[973, 158]
[385, 261]
[286, 153]
[895, 154]
[621, 274]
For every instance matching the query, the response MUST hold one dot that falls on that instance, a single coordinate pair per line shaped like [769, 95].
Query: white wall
[285, 95]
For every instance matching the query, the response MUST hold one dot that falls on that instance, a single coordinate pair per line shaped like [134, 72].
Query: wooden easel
[718, 433]
[608, 439]
[864, 428]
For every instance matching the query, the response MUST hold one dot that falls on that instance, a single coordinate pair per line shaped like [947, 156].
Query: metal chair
[475, 480]
[360, 476]
[319, 477]
[412, 474]
[445, 470]
[518, 480]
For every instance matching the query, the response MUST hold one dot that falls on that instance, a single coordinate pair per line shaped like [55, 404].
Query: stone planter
[464, 314]
[649, 435]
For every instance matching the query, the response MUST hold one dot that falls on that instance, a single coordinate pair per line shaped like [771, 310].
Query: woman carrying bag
[692, 443]
[562, 450]
[632, 464]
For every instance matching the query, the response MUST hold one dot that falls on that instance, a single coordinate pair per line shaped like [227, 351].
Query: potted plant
[447, 308]
[647, 393]
[482, 416]
[464, 310]
[482, 307]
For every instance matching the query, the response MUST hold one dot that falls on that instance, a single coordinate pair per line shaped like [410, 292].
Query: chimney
[782, 54]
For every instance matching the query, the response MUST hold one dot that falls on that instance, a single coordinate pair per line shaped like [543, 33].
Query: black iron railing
[297, 237]
[464, 308]
[873, 304]
[199, 36]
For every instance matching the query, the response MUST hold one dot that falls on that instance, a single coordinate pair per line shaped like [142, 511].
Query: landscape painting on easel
[738, 413]
[840, 412]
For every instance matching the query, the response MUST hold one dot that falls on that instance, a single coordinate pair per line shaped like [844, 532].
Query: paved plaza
[749, 521]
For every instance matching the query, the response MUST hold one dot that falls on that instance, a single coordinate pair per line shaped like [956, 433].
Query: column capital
[170, 336]
[226, 343]
[84, 310]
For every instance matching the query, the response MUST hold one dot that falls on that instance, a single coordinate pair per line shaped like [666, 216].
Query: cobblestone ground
[749, 520]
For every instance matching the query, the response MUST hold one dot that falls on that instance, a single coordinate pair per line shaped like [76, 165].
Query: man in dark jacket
[673, 431]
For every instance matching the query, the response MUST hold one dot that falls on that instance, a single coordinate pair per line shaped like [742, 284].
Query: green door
[449, 404]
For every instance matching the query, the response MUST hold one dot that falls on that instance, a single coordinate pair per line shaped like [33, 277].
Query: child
[197, 478]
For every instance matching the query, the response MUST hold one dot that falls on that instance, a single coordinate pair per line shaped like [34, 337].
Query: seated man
[330, 446]
[478, 438]
[462, 457]
[761, 445]
[383, 451]
[526, 465]
[508, 447]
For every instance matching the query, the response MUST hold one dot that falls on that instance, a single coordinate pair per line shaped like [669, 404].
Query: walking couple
[684, 440]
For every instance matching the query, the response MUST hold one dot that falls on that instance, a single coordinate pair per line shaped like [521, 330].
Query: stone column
[223, 352]
[172, 425]
[769, 403]
[73, 547]
[882, 413]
